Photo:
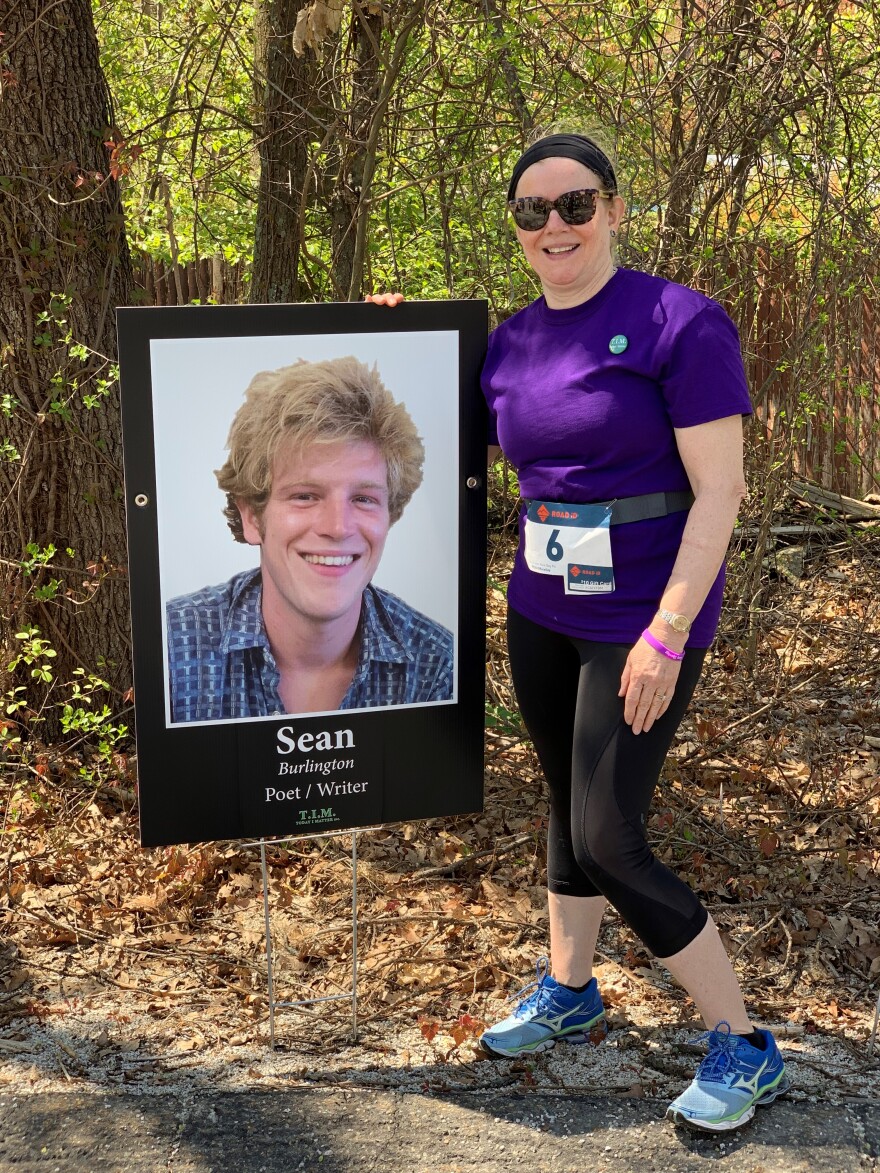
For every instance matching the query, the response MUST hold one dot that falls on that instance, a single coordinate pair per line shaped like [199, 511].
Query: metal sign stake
[270, 972]
[269, 976]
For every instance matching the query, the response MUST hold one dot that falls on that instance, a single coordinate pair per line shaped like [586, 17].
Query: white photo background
[198, 384]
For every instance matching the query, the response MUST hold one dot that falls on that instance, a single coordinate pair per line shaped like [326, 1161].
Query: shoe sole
[679, 1117]
[576, 1037]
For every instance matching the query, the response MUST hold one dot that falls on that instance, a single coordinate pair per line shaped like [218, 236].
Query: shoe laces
[528, 1001]
[722, 1053]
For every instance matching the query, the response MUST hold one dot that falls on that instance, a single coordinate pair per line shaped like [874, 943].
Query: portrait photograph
[334, 592]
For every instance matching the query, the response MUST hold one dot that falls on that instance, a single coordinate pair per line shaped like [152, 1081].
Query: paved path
[389, 1132]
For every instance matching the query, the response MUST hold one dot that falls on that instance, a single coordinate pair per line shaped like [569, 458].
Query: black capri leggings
[601, 778]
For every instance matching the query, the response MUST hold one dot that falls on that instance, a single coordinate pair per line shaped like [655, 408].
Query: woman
[624, 392]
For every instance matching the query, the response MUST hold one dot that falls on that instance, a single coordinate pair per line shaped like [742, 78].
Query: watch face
[680, 623]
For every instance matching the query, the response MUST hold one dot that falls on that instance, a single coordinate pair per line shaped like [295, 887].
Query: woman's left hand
[647, 684]
[389, 299]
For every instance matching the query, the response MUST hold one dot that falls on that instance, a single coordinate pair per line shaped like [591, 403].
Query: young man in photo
[322, 462]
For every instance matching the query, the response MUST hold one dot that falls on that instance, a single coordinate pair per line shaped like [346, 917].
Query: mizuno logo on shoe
[553, 1021]
[750, 1084]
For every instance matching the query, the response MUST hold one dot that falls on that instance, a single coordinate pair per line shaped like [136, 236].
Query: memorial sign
[306, 517]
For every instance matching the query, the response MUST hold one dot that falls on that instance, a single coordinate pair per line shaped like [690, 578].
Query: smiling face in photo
[322, 531]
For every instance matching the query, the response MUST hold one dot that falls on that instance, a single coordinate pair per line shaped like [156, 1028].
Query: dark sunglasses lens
[531, 212]
[577, 207]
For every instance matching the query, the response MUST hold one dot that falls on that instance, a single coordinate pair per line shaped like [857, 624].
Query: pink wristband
[655, 643]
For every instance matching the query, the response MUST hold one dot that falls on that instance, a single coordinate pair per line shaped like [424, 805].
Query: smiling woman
[322, 461]
[618, 397]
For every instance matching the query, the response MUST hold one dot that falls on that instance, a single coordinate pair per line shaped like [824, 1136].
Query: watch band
[675, 620]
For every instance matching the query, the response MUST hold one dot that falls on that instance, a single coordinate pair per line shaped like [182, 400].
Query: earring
[613, 233]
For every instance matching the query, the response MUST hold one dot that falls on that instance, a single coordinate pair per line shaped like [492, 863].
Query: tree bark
[508, 68]
[64, 267]
[286, 128]
[351, 151]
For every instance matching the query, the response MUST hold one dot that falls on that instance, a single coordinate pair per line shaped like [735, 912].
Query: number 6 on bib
[572, 541]
[554, 550]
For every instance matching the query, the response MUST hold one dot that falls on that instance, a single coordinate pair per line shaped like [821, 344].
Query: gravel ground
[113, 1040]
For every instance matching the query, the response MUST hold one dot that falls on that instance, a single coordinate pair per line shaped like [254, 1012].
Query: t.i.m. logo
[320, 814]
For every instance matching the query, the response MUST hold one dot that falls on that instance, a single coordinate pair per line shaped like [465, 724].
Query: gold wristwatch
[676, 622]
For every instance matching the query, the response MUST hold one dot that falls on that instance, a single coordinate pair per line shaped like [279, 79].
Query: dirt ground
[125, 971]
[358, 1131]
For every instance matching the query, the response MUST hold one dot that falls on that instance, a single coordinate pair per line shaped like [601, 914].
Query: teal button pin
[618, 344]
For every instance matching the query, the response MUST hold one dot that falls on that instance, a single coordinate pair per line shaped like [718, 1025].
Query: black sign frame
[210, 782]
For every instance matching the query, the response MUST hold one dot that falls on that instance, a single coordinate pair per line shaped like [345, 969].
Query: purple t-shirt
[582, 423]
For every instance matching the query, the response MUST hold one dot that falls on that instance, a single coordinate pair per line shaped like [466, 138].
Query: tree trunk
[286, 129]
[351, 150]
[508, 68]
[64, 267]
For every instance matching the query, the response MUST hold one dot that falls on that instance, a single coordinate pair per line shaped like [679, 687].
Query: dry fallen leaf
[768, 843]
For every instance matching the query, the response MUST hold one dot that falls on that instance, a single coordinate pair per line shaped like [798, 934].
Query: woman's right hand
[389, 299]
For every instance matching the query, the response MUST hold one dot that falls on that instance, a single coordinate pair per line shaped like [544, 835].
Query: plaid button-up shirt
[220, 665]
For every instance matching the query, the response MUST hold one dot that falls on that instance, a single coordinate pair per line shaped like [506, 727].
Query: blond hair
[316, 403]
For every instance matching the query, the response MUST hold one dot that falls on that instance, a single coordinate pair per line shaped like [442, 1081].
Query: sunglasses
[575, 207]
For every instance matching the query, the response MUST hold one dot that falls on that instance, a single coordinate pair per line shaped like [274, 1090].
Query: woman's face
[569, 259]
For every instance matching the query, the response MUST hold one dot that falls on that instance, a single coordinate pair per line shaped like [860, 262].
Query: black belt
[646, 506]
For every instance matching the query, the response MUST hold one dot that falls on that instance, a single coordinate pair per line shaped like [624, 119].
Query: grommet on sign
[474, 482]
[141, 500]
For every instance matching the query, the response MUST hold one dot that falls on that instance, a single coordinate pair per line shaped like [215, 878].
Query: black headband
[566, 146]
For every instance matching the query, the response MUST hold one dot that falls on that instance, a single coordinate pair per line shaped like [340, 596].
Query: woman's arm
[712, 455]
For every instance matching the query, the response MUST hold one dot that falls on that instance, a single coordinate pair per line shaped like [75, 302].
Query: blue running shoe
[548, 1013]
[732, 1079]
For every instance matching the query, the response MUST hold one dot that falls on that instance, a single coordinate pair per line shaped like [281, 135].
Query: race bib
[573, 541]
